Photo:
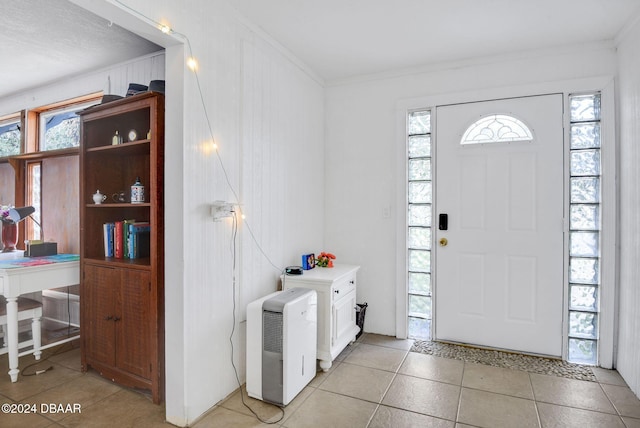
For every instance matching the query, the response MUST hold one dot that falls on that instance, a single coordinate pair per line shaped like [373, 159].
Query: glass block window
[497, 128]
[419, 208]
[10, 137]
[584, 228]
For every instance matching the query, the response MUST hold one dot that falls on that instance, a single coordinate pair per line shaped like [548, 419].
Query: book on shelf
[117, 239]
[139, 239]
[126, 239]
[107, 231]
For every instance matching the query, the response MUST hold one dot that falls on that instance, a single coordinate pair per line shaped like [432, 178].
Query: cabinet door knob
[352, 282]
[108, 317]
[336, 291]
[116, 318]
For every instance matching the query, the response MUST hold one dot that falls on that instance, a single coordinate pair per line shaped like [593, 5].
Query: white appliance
[281, 344]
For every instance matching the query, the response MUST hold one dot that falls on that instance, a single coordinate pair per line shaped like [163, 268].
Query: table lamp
[34, 248]
[18, 214]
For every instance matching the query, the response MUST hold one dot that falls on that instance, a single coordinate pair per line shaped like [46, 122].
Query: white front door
[499, 278]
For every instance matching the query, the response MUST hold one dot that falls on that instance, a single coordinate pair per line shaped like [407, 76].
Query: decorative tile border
[506, 360]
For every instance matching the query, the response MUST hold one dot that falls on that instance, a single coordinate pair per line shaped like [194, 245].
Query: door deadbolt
[443, 242]
[443, 221]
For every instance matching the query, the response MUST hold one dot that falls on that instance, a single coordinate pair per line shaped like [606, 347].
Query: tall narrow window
[34, 199]
[584, 225]
[419, 223]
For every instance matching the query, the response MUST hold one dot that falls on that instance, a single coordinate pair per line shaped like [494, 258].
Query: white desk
[16, 280]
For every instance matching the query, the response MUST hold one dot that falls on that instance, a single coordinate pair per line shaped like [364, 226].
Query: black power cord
[233, 329]
[59, 350]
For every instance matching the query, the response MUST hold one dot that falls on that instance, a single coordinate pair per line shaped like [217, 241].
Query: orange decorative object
[325, 260]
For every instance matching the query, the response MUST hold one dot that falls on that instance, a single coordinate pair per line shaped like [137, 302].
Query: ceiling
[45, 40]
[339, 39]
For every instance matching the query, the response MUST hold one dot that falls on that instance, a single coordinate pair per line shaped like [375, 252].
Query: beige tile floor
[376, 382]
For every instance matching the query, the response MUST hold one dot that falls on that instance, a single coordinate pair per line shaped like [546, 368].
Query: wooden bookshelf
[122, 303]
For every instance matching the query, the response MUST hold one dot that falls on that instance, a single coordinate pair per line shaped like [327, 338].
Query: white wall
[267, 120]
[363, 144]
[629, 299]
[110, 80]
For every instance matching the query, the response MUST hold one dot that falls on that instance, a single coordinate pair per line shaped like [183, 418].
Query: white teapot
[98, 197]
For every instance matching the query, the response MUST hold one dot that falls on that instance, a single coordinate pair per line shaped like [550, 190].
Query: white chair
[27, 309]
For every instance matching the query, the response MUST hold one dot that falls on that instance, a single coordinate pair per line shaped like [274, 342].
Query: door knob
[443, 242]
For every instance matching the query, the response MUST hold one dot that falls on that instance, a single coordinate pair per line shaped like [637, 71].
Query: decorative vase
[9, 236]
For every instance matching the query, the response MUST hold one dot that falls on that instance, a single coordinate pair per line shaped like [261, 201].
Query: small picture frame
[308, 261]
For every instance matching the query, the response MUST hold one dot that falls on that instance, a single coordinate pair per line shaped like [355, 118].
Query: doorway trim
[609, 232]
[175, 58]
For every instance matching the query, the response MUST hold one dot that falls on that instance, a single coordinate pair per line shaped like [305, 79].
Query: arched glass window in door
[497, 128]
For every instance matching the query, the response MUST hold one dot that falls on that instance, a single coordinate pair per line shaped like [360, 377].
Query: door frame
[607, 342]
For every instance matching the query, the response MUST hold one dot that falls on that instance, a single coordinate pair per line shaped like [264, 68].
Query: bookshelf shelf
[142, 263]
[107, 205]
[121, 149]
[122, 303]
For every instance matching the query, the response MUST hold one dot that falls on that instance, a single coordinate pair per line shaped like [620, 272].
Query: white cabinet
[336, 289]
